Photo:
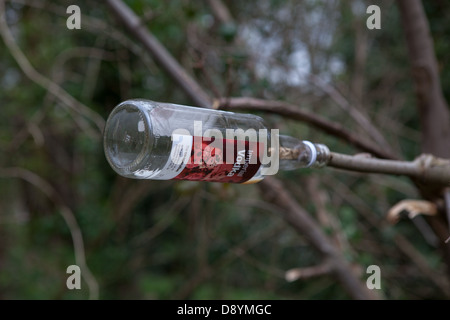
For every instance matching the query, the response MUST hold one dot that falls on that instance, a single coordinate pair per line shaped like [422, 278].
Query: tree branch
[53, 88]
[220, 11]
[159, 53]
[300, 220]
[426, 168]
[69, 218]
[294, 112]
[308, 272]
[351, 110]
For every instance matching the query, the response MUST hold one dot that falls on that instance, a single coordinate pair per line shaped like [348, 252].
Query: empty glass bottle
[144, 139]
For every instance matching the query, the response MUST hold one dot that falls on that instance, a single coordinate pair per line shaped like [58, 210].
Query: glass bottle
[145, 139]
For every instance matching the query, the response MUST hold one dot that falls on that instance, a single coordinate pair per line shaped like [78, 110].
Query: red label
[235, 161]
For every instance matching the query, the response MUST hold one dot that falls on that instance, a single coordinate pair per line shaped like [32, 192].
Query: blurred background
[61, 203]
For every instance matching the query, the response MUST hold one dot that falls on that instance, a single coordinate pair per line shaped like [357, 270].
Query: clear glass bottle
[145, 139]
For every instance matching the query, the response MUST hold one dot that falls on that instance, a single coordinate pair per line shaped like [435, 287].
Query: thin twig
[294, 112]
[69, 218]
[427, 168]
[93, 69]
[343, 191]
[77, 52]
[308, 272]
[357, 115]
[226, 258]
[326, 219]
[422, 264]
[220, 11]
[300, 220]
[96, 26]
[68, 100]
[170, 214]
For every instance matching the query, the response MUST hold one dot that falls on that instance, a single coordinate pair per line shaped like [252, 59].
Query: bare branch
[159, 52]
[294, 112]
[422, 264]
[225, 259]
[401, 242]
[300, 220]
[308, 272]
[356, 114]
[69, 218]
[161, 225]
[326, 219]
[220, 11]
[426, 168]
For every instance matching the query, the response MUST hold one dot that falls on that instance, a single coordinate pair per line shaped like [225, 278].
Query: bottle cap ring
[313, 153]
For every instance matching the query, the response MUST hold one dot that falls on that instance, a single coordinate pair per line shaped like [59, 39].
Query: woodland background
[61, 204]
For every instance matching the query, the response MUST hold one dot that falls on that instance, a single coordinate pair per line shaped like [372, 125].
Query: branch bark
[426, 168]
[69, 219]
[308, 272]
[294, 112]
[81, 112]
[301, 221]
[356, 114]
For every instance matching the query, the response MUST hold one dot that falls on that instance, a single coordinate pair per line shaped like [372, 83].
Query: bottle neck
[295, 154]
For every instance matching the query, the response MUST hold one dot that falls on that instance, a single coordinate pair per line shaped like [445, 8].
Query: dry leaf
[413, 207]
[293, 275]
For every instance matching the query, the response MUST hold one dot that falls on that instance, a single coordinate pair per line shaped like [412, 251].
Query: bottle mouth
[126, 138]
